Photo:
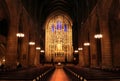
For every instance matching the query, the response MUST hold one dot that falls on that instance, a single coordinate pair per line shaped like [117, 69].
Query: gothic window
[58, 42]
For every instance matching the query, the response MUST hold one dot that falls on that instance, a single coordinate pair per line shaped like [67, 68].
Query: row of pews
[90, 74]
[30, 74]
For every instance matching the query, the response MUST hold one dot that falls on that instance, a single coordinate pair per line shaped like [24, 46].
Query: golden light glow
[80, 49]
[58, 39]
[42, 51]
[38, 48]
[20, 35]
[86, 44]
[76, 51]
[98, 36]
[31, 43]
[3, 60]
[59, 47]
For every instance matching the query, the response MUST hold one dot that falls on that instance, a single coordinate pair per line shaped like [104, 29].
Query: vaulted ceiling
[40, 9]
[78, 10]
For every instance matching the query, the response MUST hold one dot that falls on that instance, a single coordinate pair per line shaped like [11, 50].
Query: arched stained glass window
[58, 39]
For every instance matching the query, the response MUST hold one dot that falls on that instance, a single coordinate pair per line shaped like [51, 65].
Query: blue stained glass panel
[65, 28]
[59, 25]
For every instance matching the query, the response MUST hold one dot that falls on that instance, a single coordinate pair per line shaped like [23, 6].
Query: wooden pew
[32, 74]
[88, 74]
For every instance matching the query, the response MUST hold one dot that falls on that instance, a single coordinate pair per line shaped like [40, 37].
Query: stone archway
[58, 38]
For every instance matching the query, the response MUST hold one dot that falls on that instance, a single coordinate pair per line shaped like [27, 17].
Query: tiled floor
[59, 75]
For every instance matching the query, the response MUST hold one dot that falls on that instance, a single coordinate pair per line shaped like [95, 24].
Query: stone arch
[58, 22]
[4, 28]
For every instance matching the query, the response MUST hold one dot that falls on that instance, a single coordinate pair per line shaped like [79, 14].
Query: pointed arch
[58, 37]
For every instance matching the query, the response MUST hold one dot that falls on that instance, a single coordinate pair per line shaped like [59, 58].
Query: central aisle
[59, 75]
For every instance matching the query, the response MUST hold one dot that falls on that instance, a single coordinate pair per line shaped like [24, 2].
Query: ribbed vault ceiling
[40, 9]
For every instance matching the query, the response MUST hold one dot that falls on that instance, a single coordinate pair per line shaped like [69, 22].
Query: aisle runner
[59, 75]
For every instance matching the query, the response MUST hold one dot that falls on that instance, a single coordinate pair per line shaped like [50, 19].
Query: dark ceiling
[78, 10]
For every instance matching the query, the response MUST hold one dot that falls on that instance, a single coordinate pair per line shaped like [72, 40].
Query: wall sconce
[20, 35]
[31, 43]
[38, 48]
[76, 51]
[42, 51]
[80, 49]
[98, 36]
[86, 44]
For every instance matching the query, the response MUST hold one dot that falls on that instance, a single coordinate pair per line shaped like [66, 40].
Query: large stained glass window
[58, 39]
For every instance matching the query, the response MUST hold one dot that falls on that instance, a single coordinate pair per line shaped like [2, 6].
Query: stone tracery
[58, 44]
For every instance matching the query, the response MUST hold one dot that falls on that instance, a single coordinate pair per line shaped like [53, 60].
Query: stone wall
[20, 18]
[99, 14]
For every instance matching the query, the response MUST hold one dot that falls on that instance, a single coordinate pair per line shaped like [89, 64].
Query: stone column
[11, 55]
[25, 40]
[104, 28]
[31, 49]
[37, 55]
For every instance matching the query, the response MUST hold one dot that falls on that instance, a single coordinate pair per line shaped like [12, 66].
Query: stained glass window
[65, 28]
[52, 27]
[59, 25]
[58, 39]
